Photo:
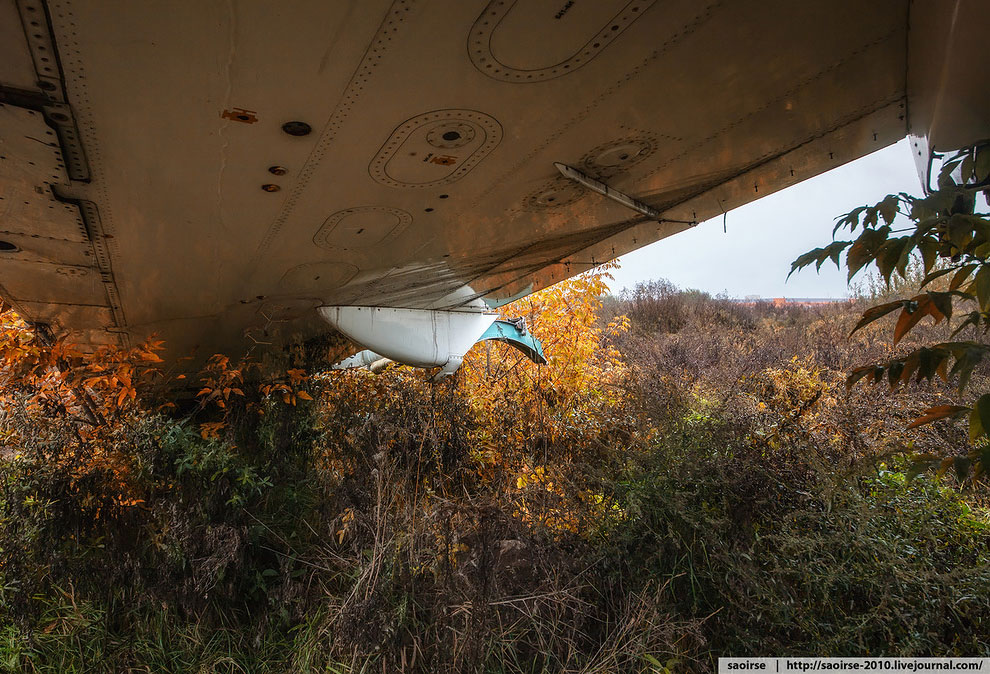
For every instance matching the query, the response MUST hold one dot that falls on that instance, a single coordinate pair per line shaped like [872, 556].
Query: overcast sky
[765, 236]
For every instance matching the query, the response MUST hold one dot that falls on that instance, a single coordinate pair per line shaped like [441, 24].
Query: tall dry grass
[707, 488]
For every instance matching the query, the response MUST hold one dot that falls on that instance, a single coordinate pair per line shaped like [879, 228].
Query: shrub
[664, 492]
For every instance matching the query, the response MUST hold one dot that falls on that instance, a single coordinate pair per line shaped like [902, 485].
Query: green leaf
[928, 363]
[966, 168]
[936, 275]
[850, 220]
[809, 258]
[927, 223]
[979, 418]
[908, 366]
[942, 302]
[929, 252]
[877, 312]
[919, 307]
[864, 249]
[652, 660]
[982, 287]
[919, 465]
[961, 276]
[959, 231]
[981, 227]
[893, 254]
[888, 208]
[982, 460]
[966, 362]
[894, 371]
[961, 464]
[875, 371]
[832, 252]
[938, 412]
[871, 217]
[972, 318]
[818, 256]
[981, 167]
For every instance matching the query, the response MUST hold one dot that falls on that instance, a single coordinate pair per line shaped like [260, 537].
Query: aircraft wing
[214, 171]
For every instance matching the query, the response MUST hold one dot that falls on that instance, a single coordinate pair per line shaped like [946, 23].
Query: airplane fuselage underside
[214, 172]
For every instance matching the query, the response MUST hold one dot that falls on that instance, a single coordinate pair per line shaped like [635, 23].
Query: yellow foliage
[527, 425]
[575, 396]
[520, 414]
[106, 391]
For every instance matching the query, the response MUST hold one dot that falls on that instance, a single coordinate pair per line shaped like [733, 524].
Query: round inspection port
[8, 247]
[270, 187]
[297, 128]
[278, 170]
[59, 116]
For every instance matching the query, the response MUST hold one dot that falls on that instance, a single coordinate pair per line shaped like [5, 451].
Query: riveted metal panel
[232, 165]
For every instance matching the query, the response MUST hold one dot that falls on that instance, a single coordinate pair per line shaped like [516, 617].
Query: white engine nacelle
[418, 337]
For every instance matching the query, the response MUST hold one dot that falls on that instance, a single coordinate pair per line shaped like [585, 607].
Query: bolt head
[297, 128]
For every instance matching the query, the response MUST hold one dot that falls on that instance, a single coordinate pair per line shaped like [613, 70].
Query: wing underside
[214, 171]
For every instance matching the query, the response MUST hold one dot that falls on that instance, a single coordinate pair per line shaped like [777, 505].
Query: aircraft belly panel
[47, 263]
[16, 69]
[247, 162]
